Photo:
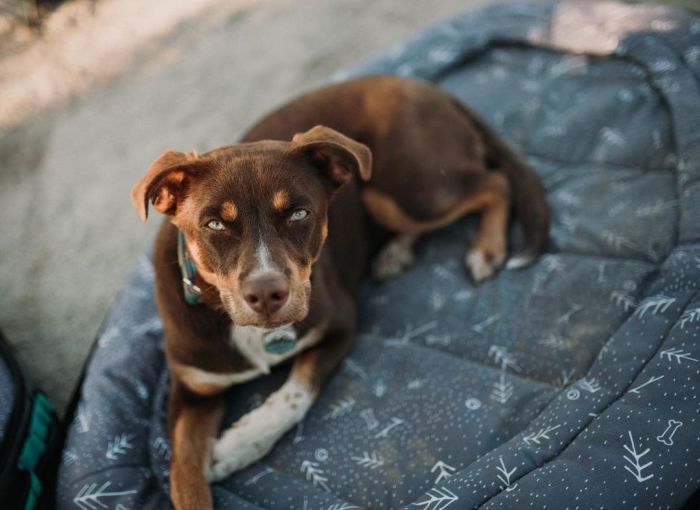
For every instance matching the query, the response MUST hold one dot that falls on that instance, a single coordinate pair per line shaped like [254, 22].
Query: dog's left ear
[338, 156]
[164, 183]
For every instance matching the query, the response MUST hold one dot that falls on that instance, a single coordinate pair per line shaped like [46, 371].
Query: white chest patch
[251, 342]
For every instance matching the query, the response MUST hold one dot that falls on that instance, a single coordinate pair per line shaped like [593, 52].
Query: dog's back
[434, 159]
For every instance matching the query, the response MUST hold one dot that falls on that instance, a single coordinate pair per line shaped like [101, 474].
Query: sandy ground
[100, 93]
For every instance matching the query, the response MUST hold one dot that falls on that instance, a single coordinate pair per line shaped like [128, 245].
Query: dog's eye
[298, 215]
[216, 225]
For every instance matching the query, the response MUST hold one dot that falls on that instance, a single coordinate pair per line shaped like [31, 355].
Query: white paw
[478, 267]
[520, 260]
[484, 259]
[392, 260]
[236, 449]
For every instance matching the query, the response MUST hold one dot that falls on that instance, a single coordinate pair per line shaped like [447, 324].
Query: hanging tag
[280, 341]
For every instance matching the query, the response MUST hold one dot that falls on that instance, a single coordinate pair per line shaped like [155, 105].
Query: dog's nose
[266, 294]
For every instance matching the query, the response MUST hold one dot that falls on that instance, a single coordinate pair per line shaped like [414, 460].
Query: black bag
[29, 439]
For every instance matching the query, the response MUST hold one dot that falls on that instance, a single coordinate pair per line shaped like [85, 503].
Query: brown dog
[267, 241]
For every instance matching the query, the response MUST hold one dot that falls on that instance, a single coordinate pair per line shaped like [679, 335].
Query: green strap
[35, 446]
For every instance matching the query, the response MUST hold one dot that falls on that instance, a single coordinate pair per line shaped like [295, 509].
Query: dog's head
[254, 216]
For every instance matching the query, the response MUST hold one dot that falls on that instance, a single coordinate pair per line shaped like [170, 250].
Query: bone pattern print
[594, 343]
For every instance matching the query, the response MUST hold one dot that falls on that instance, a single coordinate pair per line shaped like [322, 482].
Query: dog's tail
[527, 193]
[528, 198]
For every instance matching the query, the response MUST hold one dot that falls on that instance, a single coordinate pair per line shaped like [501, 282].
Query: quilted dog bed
[573, 383]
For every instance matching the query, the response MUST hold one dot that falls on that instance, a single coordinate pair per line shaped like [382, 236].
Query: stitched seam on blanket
[621, 394]
[297, 478]
[644, 284]
[131, 465]
[615, 399]
[529, 153]
[478, 363]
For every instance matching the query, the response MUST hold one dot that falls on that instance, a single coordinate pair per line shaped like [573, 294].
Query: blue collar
[189, 272]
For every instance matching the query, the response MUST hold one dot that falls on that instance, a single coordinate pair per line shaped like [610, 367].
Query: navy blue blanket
[572, 383]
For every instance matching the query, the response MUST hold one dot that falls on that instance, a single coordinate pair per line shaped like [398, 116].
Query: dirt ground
[106, 87]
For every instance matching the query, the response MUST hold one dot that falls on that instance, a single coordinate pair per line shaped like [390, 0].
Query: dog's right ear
[164, 184]
[336, 155]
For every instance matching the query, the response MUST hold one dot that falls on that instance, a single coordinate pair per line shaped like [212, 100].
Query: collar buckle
[191, 292]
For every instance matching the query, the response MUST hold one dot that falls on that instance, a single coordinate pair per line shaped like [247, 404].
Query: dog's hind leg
[477, 191]
[194, 423]
[488, 250]
[395, 256]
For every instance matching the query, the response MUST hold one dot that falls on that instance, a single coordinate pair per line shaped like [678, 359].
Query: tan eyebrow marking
[229, 211]
[280, 200]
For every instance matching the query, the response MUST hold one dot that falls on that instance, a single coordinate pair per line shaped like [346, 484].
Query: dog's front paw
[233, 451]
[396, 256]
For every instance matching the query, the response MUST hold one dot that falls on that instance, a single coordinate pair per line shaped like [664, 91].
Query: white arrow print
[654, 304]
[590, 385]
[314, 474]
[438, 499]
[341, 408]
[505, 479]
[118, 446]
[371, 461]
[651, 380]
[502, 390]
[635, 466]
[446, 471]
[395, 422]
[90, 496]
[479, 328]
[690, 316]
[677, 354]
[541, 434]
[254, 479]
